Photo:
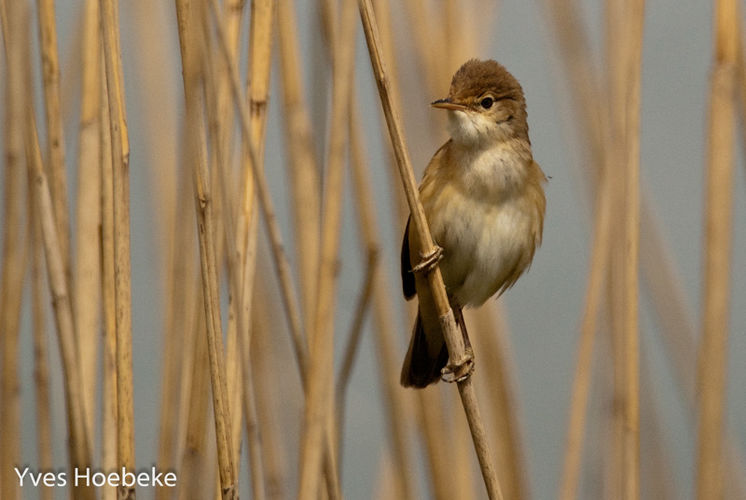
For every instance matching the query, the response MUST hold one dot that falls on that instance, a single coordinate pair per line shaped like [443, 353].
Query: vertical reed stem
[87, 282]
[190, 56]
[718, 248]
[13, 261]
[122, 263]
[454, 340]
[55, 137]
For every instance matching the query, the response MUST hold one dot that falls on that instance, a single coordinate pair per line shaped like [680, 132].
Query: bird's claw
[460, 370]
[429, 260]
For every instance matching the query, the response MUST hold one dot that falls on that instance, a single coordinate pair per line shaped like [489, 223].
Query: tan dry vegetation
[241, 314]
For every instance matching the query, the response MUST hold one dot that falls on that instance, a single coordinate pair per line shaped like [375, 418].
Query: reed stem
[454, 339]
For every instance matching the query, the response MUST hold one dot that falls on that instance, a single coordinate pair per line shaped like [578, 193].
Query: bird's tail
[426, 356]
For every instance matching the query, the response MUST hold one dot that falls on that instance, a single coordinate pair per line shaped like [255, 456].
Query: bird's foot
[460, 370]
[429, 260]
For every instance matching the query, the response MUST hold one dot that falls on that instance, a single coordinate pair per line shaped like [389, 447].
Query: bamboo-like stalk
[109, 402]
[187, 323]
[122, 264]
[583, 365]
[304, 172]
[320, 394]
[197, 401]
[220, 119]
[260, 60]
[154, 66]
[278, 254]
[190, 55]
[55, 137]
[625, 21]
[677, 325]
[396, 416]
[460, 467]
[432, 422]
[86, 278]
[657, 476]
[78, 442]
[453, 337]
[263, 360]
[356, 331]
[280, 261]
[41, 356]
[499, 389]
[718, 242]
[13, 261]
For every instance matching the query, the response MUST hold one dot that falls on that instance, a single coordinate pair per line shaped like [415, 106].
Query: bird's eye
[486, 102]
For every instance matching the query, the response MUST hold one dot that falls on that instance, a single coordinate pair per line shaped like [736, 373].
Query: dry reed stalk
[499, 389]
[460, 470]
[122, 265]
[78, 440]
[13, 261]
[678, 330]
[195, 432]
[279, 258]
[600, 251]
[382, 10]
[191, 63]
[224, 237]
[718, 242]
[320, 394]
[396, 415]
[430, 48]
[55, 138]
[263, 359]
[280, 261]
[454, 339]
[155, 64]
[260, 63]
[657, 475]
[304, 171]
[665, 289]
[41, 356]
[624, 27]
[87, 266]
[187, 317]
[432, 424]
[109, 401]
[220, 119]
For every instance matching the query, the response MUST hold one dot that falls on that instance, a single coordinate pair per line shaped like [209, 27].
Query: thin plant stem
[304, 171]
[110, 399]
[396, 414]
[718, 234]
[191, 63]
[55, 136]
[280, 261]
[499, 389]
[41, 355]
[87, 268]
[79, 443]
[588, 326]
[320, 394]
[454, 339]
[122, 263]
[13, 261]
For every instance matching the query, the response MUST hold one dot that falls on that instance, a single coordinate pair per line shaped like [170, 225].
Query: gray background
[544, 307]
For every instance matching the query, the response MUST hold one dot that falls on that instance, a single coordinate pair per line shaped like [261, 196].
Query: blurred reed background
[201, 220]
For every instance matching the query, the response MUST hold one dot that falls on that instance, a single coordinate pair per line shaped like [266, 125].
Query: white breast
[484, 224]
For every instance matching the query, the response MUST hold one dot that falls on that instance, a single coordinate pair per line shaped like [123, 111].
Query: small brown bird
[484, 201]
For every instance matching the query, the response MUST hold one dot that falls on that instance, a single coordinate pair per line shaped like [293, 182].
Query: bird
[483, 198]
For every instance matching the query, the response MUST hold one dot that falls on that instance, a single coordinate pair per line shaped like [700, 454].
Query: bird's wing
[407, 276]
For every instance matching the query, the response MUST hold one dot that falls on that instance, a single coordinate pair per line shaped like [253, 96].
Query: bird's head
[485, 105]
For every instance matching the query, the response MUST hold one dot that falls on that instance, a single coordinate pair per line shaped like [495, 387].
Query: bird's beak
[447, 103]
